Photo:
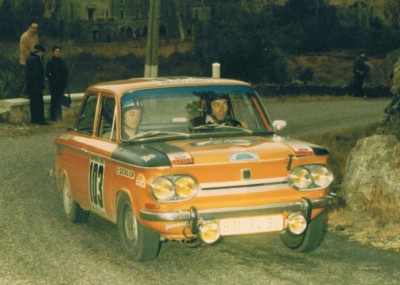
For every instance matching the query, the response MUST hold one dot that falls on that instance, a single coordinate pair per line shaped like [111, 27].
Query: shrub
[182, 64]
[11, 78]
[305, 74]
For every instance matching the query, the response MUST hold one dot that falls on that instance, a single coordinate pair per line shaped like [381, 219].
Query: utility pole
[151, 66]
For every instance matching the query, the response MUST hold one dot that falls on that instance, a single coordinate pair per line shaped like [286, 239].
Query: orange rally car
[189, 159]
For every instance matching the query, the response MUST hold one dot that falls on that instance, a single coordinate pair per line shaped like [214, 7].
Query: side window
[106, 129]
[87, 117]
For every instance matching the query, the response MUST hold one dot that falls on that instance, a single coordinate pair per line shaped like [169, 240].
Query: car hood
[199, 151]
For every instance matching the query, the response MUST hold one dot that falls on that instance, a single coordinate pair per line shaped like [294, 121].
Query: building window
[121, 14]
[121, 2]
[91, 14]
[137, 14]
[106, 14]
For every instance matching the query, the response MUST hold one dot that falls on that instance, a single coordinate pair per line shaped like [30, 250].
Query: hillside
[109, 61]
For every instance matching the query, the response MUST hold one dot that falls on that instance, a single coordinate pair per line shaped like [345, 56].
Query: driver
[219, 107]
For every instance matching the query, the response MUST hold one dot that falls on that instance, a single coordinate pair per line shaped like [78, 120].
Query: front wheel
[139, 242]
[72, 210]
[309, 240]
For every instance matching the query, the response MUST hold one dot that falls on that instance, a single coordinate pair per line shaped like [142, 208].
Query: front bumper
[304, 205]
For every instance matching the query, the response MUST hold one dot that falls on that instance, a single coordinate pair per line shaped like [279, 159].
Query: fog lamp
[209, 232]
[296, 223]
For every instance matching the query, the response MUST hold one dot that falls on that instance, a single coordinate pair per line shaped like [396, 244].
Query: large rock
[395, 84]
[390, 123]
[372, 181]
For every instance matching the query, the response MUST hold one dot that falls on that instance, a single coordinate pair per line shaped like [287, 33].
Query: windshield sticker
[141, 181]
[125, 173]
[244, 156]
[187, 80]
[179, 120]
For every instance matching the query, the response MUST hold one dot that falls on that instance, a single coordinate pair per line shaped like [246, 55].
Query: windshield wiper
[150, 134]
[219, 126]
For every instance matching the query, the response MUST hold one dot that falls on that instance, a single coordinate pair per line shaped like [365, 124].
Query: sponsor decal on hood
[244, 156]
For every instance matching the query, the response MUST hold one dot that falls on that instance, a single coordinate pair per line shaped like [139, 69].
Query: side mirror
[279, 125]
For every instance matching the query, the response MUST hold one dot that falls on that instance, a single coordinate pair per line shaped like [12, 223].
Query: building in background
[91, 18]
[110, 20]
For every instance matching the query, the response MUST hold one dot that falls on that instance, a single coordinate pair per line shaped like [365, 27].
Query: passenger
[131, 117]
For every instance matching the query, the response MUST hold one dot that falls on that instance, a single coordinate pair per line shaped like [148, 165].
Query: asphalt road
[304, 118]
[38, 245]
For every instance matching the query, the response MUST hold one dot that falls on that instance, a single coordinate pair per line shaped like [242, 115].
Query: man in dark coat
[35, 84]
[360, 72]
[57, 74]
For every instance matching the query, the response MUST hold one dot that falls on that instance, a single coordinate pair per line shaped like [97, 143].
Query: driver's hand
[244, 125]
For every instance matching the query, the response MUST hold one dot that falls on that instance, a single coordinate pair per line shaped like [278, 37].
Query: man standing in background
[57, 74]
[360, 72]
[35, 84]
[27, 43]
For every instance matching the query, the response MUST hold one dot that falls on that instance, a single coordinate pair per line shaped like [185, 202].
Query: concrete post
[216, 70]
[151, 66]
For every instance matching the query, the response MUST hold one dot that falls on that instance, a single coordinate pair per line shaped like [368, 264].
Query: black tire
[139, 242]
[309, 240]
[72, 210]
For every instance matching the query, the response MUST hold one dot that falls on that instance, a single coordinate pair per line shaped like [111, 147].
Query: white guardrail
[16, 110]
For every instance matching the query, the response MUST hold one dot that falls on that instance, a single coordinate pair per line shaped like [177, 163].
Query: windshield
[191, 111]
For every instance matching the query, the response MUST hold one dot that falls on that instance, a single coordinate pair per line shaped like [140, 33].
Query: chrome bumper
[304, 205]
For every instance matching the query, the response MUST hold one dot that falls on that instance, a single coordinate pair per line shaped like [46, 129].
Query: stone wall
[16, 111]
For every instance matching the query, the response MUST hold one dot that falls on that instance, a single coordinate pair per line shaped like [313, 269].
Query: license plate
[250, 225]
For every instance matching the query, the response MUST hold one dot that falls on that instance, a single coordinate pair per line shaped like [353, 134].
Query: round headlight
[321, 176]
[300, 178]
[163, 189]
[185, 187]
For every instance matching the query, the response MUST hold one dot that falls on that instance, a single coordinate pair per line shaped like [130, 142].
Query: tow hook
[308, 208]
[192, 240]
[194, 219]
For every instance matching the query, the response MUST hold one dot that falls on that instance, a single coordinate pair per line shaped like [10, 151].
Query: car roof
[122, 86]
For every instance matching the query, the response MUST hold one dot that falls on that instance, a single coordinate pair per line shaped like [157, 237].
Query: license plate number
[250, 225]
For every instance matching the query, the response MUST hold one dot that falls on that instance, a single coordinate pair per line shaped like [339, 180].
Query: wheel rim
[67, 199]
[130, 224]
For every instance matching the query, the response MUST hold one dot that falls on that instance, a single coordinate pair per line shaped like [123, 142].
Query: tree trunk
[178, 9]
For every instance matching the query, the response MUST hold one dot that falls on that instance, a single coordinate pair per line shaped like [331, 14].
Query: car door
[101, 168]
[76, 156]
